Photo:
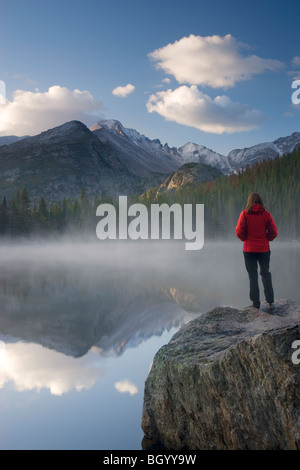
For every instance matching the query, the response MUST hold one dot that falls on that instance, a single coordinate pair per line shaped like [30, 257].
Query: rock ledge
[226, 380]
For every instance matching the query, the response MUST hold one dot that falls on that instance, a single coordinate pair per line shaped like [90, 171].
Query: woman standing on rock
[256, 228]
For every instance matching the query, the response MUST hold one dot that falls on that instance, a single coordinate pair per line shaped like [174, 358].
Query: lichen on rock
[226, 380]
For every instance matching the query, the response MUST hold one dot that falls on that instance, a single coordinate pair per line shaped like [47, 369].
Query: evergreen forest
[277, 180]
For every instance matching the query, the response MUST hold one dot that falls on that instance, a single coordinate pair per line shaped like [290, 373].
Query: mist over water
[81, 321]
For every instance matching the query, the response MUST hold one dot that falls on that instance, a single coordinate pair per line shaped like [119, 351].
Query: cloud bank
[30, 113]
[212, 61]
[123, 91]
[190, 107]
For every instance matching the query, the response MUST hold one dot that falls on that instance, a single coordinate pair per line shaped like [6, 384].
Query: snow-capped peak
[154, 156]
[192, 152]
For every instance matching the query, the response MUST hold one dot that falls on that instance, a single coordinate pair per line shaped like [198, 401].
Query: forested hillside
[22, 216]
[278, 182]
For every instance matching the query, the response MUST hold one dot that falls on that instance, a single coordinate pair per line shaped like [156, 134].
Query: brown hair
[253, 198]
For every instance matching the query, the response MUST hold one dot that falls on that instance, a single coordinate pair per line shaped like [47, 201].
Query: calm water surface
[80, 323]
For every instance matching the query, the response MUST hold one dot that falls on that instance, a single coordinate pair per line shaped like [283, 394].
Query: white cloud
[213, 60]
[30, 113]
[125, 386]
[190, 107]
[123, 91]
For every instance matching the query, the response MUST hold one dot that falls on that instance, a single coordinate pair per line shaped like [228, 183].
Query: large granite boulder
[229, 379]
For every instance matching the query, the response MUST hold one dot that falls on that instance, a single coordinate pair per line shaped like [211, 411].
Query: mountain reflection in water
[70, 311]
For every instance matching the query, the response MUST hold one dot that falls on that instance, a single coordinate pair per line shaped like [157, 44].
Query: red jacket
[256, 229]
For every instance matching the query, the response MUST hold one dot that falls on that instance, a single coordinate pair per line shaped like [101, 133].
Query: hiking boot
[270, 307]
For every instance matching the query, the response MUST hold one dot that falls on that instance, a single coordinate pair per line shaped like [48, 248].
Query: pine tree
[24, 211]
[42, 215]
[4, 217]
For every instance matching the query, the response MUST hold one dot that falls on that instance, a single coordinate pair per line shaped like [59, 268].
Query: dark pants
[263, 259]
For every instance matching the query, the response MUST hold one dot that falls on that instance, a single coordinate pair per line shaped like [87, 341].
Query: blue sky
[212, 72]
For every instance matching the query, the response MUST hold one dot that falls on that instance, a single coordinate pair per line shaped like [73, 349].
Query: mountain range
[108, 159]
[59, 162]
[134, 146]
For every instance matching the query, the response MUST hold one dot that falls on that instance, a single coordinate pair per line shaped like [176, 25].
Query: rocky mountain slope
[227, 381]
[189, 173]
[110, 160]
[239, 158]
[106, 160]
[59, 162]
[139, 154]
[143, 155]
[10, 139]
[191, 152]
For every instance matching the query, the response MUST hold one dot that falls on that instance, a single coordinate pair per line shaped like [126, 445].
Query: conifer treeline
[21, 216]
[278, 182]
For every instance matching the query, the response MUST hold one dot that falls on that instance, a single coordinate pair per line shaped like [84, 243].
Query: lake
[81, 321]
